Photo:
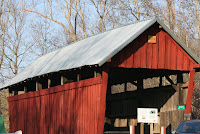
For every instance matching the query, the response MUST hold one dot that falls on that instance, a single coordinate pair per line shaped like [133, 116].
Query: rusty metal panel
[66, 109]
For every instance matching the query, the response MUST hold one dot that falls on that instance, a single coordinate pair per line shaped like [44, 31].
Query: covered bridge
[95, 85]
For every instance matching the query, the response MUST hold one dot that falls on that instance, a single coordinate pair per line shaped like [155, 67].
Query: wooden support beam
[175, 87]
[49, 83]
[160, 83]
[38, 86]
[184, 85]
[102, 99]
[151, 128]
[180, 77]
[25, 89]
[78, 77]
[140, 83]
[170, 81]
[142, 128]
[140, 88]
[9, 92]
[190, 92]
[63, 80]
[95, 73]
[15, 92]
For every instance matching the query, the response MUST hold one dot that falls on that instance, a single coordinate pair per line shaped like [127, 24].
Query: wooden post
[10, 92]
[190, 92]
[95, 74]
[142, 128]
[15, 92]
[161, 79]
[78, 77]
[180, 77]
[102, 101]
[25, 89]
[140, 88]
[49, 83]
[163, 130]
[132, 129]
[63, 80]
[151, 128]
[38, 86]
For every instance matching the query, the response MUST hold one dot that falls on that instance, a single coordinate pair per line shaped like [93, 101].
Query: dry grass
[4, 108]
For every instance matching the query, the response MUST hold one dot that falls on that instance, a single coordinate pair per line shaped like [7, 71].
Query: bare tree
[15, 46]
[45, 38]
[68, 9]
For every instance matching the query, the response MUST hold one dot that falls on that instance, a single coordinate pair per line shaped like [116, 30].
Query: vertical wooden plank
[115, 60]
[170, 47]
[190, 92]
[89, 114]
[76, 112]
[191, 65]
[173, 57]
[129, 56]
[161, 53]
[61, 113]
[49, 83]
[122, 57]
[141, 128]
[73, 101]
[151, 128]
[59, 125]
[21, 115]
[38, 109]
[66, 112]
[137, 55]
[34, 116]
[86, 110]
[149, 55]
[185, 63]
[28, 129]
[38, 86]
[44, 114]
[167, 53]
[53, 113]
[10, 116]
[155, 54]
[15, 92]
[102, 102]
[81, 115]
[142, 51]
[66, 128]
[25, 89]
[180, 62]
[15, 111]
[13, 117]
[25, 111]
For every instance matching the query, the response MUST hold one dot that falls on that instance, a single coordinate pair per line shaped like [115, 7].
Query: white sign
[147, 115]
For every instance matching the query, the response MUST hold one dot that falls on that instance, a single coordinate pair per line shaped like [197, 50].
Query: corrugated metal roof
[94, 50]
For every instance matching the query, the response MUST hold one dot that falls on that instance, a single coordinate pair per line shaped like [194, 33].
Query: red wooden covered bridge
[95, 85]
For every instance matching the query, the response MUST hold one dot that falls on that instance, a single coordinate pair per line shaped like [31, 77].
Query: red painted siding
[66, 109]
[164, 54]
